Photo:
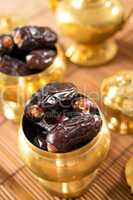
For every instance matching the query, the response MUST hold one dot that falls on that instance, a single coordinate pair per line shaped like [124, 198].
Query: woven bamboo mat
[17, 182]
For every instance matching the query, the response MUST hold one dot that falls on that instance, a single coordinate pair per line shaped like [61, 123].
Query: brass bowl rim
[60, 53]
[88, 147]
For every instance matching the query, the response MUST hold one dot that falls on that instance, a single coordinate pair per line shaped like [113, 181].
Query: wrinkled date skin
[78, 130]
[12, 66]
[58, 94]
[51, 99]
[40, 59]
[28, 50]
[54, 95]
[40, 141]
[33, 37]
[68, 119]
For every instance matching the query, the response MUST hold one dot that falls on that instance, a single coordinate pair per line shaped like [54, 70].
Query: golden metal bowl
[117, 98]
[14, 91]
[66, 174]
[89, 24]
[129, 173]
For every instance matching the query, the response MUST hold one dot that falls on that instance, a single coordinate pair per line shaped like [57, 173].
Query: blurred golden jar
[15, 90]
[89, 24]
[117, 97]
[66, 174]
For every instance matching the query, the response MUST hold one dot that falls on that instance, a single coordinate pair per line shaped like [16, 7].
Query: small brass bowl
[66, 174]
[117, 99]
[15, 90]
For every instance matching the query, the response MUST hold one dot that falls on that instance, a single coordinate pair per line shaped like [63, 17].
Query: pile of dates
[59, 119]
[27, 50]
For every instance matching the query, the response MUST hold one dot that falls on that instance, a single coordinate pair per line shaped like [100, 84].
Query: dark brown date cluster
[59, 119]
[27, 50]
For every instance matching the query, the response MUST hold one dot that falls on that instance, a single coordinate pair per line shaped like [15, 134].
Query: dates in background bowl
[27, 50]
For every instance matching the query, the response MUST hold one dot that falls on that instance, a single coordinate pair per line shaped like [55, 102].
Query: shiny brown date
[40, 59]
[76, 131]
[33, 37]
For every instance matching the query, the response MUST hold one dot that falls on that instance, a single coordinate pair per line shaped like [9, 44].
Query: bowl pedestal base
[91, 55]
[68, 189]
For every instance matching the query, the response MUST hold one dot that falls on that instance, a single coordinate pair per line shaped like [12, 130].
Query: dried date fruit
[40, 59]
[45, 125]
[6, 44]
[32, 130]
[48, 123]
[28, 50]
[62, 119]
[35, 112]
[73, 132]
[19, 54]
[70, 120]
[12, 66]
[54, 95]
[58, 94]
[33, 37]
[94, 109]
[40, 141]
[51, 117]
[83, 104]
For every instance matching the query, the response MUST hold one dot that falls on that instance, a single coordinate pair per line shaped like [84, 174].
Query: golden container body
[117, 98]
[89, 24]
[129, 173]
[66, 174]
[14, 91]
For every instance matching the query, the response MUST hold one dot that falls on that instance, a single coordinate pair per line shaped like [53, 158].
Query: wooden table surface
[16, 181]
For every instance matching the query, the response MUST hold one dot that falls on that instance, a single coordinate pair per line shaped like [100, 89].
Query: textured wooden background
[16, 181]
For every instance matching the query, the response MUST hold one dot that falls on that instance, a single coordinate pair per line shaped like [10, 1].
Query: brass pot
[66, 174]
[89, 24]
